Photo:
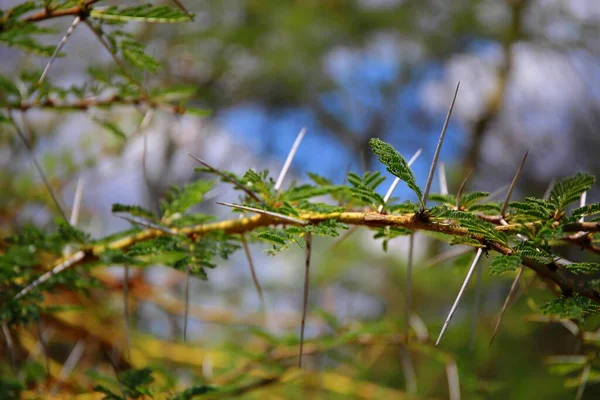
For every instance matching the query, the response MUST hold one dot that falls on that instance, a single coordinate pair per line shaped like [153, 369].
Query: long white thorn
[290, 157]
[582, 203]
[443, 179]
[77, 202]
[584, 379]
[460, 293]
[408, 369]
[438, 149]
[62, 43]
[56, 270]
[453, 381]
[397, 180]
[71, 362]
[265, 212]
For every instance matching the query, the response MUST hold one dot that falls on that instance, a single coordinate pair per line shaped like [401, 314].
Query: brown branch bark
[81, 10]
[568, 282]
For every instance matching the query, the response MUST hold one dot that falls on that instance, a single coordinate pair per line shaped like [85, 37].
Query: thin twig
[235, 182]
[453, 252]
[126, 312]
[148, 224]
[509, 297]
[182, 7]
[408, 369]
[265, 212]
[116, 372]
[11, 346]
[438, 149]
[478, 287]
[37, 166]
[62, 43]
[461, 188]
[408, 291]
[305, 295]
[460, 293]
[186, 296]
[259, 290]
[288, 160]
[512, 186]
[44, 347]
[99, 35]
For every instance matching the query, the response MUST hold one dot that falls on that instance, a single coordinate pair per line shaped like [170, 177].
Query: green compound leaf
[569, 190]
[180, 199]
[146, 13]
[469, 199]
[137, 211]
[503, 263]
[575, 307]
[583, 267]
[590, 209]
[471, 222]
[395, 164]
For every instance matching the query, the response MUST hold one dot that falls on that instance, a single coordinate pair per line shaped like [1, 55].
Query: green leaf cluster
[395, 164]
[573, 307]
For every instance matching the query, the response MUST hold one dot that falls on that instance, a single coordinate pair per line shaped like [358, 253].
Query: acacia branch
[92, 102]
[569, 282]
[81, 10]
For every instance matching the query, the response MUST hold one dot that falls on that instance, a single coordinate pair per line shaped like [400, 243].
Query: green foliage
[180, 199]
[582, 267]
[502, 264]
[574, 307]
[448, 199]
[395, 164]
[492, 208]
[363, 188]
[569, 190]
[471, 222]
[134, 384]
[587, 210]
[531, 209]
[469, 199]
[388, 233]
[192, 392]
[10, 389]
[538, 254]
[137, 211]
[146, 13]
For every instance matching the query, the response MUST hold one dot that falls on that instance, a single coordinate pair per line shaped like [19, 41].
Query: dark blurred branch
[496, 101]
[85, 104]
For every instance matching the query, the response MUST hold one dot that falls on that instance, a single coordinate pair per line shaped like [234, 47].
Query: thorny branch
[568, 282]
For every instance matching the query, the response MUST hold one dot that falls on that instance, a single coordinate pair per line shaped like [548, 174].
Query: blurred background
[348, 71]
